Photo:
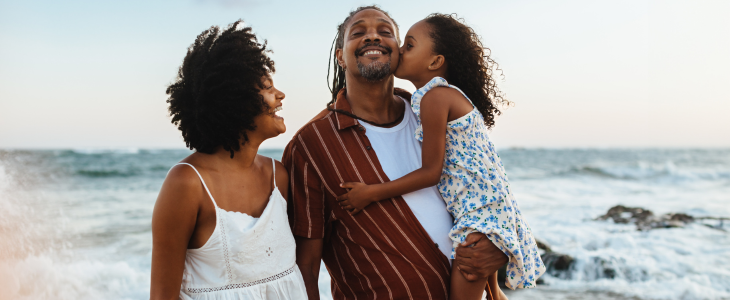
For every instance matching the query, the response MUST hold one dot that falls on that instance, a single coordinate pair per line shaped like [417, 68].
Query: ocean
[75, 224]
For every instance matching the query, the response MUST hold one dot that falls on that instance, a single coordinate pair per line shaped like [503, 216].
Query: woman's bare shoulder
[282, 174]
[182, 184]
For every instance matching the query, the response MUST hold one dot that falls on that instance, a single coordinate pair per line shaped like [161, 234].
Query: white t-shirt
[400, 153]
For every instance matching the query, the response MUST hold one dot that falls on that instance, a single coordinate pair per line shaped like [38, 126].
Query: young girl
[460, 159]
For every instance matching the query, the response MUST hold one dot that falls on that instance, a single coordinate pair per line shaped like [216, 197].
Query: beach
[75, 224]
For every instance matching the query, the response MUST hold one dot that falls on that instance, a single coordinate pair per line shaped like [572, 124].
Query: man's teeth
[373, 52]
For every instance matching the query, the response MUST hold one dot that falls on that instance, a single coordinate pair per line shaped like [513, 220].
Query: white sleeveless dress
[245, 257]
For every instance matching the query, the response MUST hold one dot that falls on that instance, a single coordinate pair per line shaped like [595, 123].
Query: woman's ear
[436, 63]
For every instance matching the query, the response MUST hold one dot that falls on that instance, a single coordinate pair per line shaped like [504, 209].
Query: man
[395, 248]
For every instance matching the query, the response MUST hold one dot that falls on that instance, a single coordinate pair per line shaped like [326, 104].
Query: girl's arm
[173, 222]
[437, 108]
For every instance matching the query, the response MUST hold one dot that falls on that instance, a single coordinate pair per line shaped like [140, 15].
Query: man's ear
[340, 61]
[436, 62]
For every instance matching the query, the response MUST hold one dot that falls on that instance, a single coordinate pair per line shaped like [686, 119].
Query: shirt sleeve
[306, 196]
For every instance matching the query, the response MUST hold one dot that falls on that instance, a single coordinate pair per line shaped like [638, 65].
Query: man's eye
[357, 33]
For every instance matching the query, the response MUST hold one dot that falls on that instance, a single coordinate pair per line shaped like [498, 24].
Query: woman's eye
[270, 87]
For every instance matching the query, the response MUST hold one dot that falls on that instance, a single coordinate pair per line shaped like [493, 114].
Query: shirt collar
[345, 121]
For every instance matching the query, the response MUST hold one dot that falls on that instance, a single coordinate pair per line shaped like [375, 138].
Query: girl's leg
[461, 289]
[494, 288]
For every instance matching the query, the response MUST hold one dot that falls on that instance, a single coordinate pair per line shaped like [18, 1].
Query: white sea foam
[129, 150]
[46, 277]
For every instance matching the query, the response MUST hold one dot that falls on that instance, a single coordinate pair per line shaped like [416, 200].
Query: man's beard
[374, 71]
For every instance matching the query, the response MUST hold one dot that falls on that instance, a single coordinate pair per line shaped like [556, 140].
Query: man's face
[370, 47]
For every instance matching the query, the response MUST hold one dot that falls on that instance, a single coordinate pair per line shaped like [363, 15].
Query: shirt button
[437, 245]
[361, 128]
[369, 148]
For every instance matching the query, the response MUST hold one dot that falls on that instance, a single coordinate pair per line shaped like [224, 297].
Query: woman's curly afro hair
[216, 96]
[469, 65]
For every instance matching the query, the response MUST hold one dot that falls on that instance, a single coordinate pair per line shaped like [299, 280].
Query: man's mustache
[387, 50]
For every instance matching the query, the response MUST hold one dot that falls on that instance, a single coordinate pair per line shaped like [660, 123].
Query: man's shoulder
[306, 129]
[306, 132]
[403, 93]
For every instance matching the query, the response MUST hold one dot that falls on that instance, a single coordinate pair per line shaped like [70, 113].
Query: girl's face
[269, 124]
[416, 54]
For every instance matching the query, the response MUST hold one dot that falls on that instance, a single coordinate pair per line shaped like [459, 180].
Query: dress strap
[273, 168]
[201, 180]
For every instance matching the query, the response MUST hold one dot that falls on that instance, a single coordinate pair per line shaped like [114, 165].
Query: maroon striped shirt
[382, 252]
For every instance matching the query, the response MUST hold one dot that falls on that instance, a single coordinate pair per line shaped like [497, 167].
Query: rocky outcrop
[644, 218]
[557, 264]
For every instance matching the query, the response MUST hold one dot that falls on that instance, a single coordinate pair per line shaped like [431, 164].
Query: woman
[219, 227]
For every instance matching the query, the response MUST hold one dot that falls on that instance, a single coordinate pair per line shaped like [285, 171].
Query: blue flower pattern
[476, 190]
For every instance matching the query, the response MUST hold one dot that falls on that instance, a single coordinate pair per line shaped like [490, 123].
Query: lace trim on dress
[224, 239]
[242, 285]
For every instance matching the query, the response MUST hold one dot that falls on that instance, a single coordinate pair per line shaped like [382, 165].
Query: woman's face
[269, 124]
[416, 53]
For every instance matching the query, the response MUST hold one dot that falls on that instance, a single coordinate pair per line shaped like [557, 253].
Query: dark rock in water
[644, 218]
[543, 246]
[623, 215]
[557, 264]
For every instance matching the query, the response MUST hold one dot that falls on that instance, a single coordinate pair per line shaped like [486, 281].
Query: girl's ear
[436, 63]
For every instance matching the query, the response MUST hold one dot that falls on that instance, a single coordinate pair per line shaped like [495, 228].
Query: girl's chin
[399, 75]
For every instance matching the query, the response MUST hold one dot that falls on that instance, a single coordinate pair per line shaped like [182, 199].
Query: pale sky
[92, 74]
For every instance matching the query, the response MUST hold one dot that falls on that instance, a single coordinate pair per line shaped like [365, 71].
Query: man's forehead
[370, 14]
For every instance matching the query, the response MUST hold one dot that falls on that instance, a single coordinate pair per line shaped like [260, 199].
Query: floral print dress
[477, 193]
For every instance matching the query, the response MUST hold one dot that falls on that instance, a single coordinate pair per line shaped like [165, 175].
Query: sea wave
[45, 277]
[88, 151]
[637, 172]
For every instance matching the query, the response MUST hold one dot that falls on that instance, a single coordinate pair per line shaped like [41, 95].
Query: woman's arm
[309, 258]
[436, 110]
[173, 222]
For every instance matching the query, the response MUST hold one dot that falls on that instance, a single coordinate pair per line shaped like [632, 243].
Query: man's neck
[374, 101]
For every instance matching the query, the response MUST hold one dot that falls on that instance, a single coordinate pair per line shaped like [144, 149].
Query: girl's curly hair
[470, 66]
[215, 96]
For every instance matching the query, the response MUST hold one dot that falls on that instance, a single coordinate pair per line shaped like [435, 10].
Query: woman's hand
[359, 196]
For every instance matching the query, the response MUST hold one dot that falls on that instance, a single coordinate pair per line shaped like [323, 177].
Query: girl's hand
[359, 196]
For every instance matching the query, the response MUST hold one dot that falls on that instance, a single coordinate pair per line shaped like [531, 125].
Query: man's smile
[372, 50]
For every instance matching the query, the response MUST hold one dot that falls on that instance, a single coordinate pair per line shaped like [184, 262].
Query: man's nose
[372, 36]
